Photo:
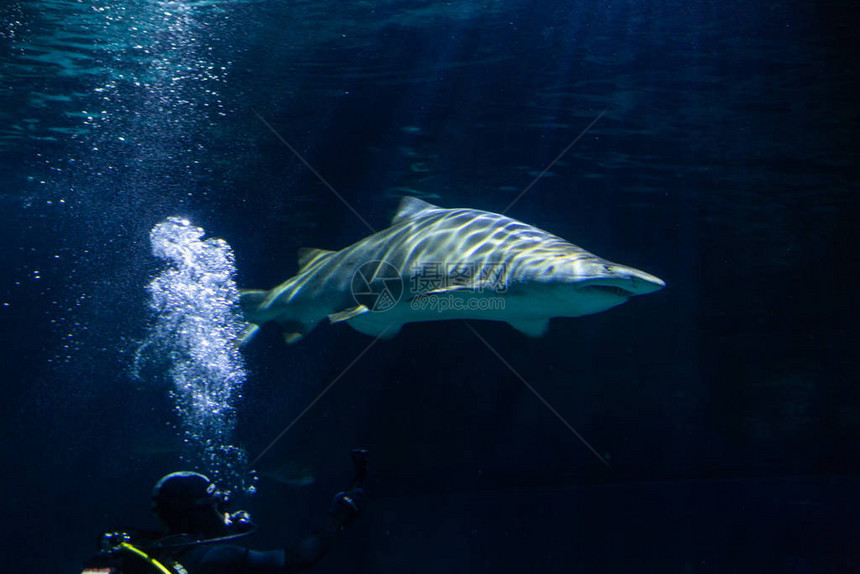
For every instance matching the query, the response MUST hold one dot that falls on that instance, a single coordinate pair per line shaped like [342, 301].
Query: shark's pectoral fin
[390, 331]
[362, 320]
[531, 327]
[348, 314]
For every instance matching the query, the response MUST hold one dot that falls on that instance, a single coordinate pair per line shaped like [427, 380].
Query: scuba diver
[200, 530]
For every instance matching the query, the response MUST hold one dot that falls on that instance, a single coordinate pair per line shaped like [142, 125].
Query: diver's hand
[360, 458]
[346, 505]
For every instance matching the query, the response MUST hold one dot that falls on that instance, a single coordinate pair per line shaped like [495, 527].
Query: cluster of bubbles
[194, 340]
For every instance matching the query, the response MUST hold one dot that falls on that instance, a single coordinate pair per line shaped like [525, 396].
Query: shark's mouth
[610, 290]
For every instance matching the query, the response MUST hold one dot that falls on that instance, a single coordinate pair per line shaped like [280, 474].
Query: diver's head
[189, 503]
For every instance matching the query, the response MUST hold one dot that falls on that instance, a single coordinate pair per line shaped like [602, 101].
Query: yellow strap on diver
[155, 563]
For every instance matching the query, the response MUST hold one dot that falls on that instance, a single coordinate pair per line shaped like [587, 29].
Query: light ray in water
[193, 340]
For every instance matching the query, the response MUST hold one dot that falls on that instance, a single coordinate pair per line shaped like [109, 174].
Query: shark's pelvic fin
[409, 207]
[348, 314]
[294, 330]
[379, 329]
[290, 338]
[531, 327]
[362, 320]
[309, 255]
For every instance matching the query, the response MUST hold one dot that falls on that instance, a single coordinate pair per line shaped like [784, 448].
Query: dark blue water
[725, 162]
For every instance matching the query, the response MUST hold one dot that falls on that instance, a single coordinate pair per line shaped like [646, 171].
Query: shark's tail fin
[249, 302]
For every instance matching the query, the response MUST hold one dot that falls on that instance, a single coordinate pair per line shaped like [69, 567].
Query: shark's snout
[621, 280]
[642, 283]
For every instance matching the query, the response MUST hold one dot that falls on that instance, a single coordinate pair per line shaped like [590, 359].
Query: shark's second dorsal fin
[309, 255]
[409, 207]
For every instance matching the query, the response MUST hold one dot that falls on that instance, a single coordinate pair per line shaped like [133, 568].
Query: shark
[434, 263]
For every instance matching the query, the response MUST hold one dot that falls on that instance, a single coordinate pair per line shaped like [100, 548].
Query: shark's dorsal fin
[309, 255]
[409, 207]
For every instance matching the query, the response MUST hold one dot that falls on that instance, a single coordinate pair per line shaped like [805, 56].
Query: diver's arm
[310, 550]
[228, 559]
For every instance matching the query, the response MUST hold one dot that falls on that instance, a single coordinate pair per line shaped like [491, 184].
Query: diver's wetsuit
[233, 559]
[188, 502]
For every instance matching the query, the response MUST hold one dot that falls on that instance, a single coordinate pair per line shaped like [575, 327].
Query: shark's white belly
[529, 314]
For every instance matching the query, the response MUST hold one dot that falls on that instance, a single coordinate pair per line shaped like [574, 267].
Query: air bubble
[193, 339]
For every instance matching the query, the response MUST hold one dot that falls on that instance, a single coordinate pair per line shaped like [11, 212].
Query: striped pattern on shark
[436, 264]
